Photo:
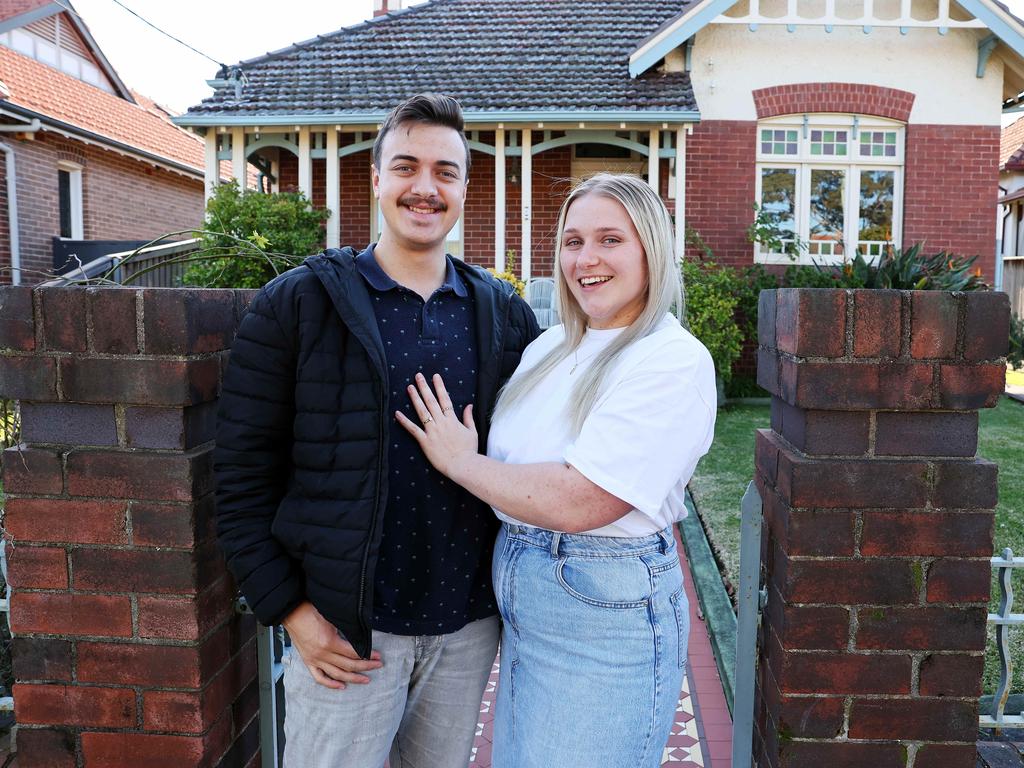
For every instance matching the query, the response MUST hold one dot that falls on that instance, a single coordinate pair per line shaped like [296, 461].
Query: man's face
[421, 184]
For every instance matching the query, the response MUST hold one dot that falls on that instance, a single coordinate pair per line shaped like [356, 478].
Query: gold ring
[449, 409]
[428, 419]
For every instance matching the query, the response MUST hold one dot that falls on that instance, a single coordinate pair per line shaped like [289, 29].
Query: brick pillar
[878, 525]
[127, 649]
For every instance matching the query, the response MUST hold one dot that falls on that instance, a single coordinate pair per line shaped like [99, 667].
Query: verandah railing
[1004, 620]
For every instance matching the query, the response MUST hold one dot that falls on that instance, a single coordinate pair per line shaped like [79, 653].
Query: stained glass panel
[829, 143]
[778, 142]
[878, 144]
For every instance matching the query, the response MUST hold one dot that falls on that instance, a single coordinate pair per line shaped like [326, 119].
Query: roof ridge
[389, 16]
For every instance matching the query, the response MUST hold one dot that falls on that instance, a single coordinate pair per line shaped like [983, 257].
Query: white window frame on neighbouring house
[802, 148]
[77, 228]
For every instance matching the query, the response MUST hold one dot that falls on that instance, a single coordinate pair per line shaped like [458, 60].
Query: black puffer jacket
[303, 422]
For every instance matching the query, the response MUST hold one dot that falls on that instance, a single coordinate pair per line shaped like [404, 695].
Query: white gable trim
[655, 48]
[1003, 25]
[51, 9]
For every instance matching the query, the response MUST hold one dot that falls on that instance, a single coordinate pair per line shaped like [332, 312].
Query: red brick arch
[857, 98]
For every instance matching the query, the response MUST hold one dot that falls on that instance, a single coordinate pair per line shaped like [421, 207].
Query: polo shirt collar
[379, 280]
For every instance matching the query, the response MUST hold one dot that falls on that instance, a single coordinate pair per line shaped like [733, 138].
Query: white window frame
[75, 188]
[852, 164]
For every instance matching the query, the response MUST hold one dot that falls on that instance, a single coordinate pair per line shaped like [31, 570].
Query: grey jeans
[419, 710]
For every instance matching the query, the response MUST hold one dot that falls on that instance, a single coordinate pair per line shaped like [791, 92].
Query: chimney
[382, 7]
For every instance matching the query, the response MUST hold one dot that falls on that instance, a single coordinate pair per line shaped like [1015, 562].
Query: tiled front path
[702, 734]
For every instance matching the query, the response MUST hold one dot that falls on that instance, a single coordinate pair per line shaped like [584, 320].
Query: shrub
[1015, 357]
[509, 275]
[249, 237]
[712, 296]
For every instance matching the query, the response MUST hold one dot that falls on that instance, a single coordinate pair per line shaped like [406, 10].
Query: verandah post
[878, 524]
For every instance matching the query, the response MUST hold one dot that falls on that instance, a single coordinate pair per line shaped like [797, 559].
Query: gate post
[127, 648]
[878, 524]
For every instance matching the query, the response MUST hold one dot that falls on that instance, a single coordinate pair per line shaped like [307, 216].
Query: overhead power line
[154, 26]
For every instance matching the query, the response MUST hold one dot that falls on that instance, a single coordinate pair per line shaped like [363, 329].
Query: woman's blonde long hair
[664, 293]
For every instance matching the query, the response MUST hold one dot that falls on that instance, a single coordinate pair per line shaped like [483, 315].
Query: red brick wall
[856, 98]
[720, 165]
[478, 232]
[288, 172]
[551, 182]
[951, 182]
[122, 198]
[5, 230]
[355, 199]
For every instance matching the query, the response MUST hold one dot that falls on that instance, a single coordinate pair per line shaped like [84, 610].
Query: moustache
[414, 201]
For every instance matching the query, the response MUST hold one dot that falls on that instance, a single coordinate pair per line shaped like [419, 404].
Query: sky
[226, 30]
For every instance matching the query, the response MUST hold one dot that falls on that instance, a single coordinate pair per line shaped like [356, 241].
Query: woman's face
[603, 261]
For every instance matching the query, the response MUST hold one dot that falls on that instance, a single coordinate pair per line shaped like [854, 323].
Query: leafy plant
[753, 280]
[509, 274]
[767, 231]
[280, 229]
[1015, 357]
[907, 269]
[711, 301]
[9, 424]
[802, 276]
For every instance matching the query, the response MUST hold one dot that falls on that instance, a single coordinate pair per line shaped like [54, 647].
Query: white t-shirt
[641, 441]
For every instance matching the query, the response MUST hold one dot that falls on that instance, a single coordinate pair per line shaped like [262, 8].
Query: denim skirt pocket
[606, 582]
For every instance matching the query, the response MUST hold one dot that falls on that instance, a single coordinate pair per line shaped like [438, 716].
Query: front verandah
[519, 177]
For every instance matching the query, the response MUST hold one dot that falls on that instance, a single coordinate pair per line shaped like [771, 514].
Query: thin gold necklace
[576, 360]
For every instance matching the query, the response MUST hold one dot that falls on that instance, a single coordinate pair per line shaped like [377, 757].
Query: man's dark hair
[426, 108]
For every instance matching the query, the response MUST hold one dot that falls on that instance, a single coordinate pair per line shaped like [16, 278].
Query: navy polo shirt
[433, 572]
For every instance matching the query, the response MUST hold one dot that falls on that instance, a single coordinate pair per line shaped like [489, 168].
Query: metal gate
[751, 598]
[272, 646]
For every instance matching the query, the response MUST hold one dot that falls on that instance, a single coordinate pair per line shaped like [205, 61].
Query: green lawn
[723, 474]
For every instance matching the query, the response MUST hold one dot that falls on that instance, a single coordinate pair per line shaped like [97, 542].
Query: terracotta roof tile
[50, 93]
[11, 8]
[1011, 146]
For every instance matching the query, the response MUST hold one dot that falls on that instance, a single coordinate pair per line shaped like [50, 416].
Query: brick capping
[857, 98]
[127, 650]
[878, 524]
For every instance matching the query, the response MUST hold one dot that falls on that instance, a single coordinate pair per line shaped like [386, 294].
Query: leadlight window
[836, 192]
[778, 142]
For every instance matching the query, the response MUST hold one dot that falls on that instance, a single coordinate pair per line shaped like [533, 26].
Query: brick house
[856, 124]
[1010, 229]
[82, 157]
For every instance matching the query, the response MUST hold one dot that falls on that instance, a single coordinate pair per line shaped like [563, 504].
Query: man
[332, 521]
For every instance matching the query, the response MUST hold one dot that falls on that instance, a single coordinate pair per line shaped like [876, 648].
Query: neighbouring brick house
[855, 124]
[82, 157]
[1011, 214]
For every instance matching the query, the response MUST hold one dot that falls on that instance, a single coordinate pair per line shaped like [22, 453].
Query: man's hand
[331, 660]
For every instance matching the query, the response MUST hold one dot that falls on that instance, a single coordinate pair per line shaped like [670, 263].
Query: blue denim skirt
[593, 648]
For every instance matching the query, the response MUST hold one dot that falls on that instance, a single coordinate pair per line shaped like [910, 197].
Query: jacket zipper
[373, 527]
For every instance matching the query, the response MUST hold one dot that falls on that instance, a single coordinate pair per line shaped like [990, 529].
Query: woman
[591, 445]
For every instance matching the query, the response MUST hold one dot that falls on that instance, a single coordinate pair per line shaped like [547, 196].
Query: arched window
[831, 184]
